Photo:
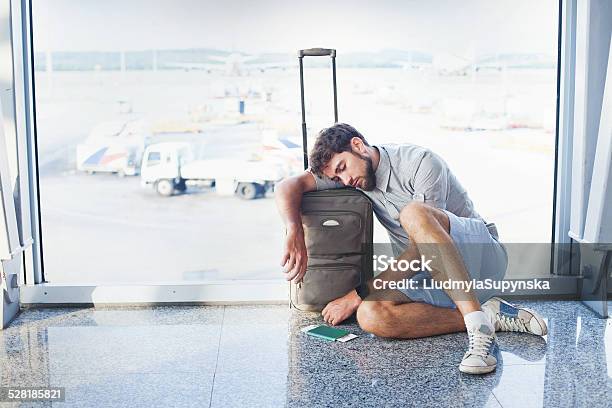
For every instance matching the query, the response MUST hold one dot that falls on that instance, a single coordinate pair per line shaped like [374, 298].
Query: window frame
[36, 291]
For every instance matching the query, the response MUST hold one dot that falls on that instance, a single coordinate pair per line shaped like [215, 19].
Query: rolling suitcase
[338, 229]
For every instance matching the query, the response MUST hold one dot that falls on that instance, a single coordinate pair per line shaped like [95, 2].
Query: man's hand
[340, 309]
[295, 257]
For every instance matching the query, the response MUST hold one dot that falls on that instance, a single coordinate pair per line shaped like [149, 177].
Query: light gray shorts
[483, 256]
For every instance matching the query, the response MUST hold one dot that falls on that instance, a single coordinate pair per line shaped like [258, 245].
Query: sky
[461, 27]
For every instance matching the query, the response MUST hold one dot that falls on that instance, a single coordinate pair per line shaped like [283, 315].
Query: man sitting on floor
[418, 200]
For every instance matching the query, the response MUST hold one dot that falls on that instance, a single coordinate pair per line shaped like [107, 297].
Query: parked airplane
[235, 64]
[113, 147]
[449, 64]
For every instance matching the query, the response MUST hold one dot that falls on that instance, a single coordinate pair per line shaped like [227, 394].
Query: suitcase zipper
[333, 266]
[332, 211]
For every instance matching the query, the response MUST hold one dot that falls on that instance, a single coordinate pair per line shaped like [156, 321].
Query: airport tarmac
[114, 230]
[102, 228]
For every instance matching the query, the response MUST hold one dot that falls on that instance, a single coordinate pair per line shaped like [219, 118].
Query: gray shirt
[408, 173]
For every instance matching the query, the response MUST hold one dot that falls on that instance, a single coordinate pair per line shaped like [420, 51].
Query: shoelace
[508, 323]
[480, 343]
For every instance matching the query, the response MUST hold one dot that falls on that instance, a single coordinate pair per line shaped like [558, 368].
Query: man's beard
[369, 183]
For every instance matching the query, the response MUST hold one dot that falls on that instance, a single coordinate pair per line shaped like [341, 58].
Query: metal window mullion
[26, 133]
[562, 254]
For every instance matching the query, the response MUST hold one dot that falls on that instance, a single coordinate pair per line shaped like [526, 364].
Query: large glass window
[162, 126]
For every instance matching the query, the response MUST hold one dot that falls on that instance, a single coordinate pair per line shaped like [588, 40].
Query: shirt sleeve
[431, 180]
[325, 183]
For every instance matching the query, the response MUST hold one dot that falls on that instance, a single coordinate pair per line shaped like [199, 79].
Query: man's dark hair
[332, 140]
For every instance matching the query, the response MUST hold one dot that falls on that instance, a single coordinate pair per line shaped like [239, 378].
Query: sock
[490, 314]
[474, 320]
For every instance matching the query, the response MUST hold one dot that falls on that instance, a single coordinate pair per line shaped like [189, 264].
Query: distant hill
[170, 59]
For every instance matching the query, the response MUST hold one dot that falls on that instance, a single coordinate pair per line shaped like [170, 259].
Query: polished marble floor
[256, 356]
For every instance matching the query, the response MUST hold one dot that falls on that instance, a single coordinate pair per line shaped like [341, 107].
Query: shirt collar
[383, 171]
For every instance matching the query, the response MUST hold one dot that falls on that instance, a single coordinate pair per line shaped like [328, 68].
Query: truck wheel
[268, 187]
[181, 186]
[247, 191]
[164, 187]
[261, 190]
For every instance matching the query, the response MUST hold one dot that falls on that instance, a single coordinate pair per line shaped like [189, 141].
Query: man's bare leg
[407, 320]
[385, 315]
[429, 229]
[389, 313]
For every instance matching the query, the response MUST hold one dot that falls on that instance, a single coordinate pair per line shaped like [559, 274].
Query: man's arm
[288, 196]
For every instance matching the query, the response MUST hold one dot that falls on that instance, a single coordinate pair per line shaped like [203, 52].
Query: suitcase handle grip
[317, 52]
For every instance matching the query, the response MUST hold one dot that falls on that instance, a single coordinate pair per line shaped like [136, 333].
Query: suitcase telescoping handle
[315, 52]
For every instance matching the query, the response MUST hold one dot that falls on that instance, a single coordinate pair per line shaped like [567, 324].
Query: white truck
[170, 167]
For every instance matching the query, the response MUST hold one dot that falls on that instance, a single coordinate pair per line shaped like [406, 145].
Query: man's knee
[373, 316]
[414, 215]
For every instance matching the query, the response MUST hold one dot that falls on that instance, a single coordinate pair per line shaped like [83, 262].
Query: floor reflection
[257, 356]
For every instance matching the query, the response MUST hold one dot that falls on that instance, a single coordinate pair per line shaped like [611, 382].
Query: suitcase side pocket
[332, 232]
[324, 283]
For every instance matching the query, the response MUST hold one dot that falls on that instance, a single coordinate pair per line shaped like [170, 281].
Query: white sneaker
[480, 357]
[507, 317]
